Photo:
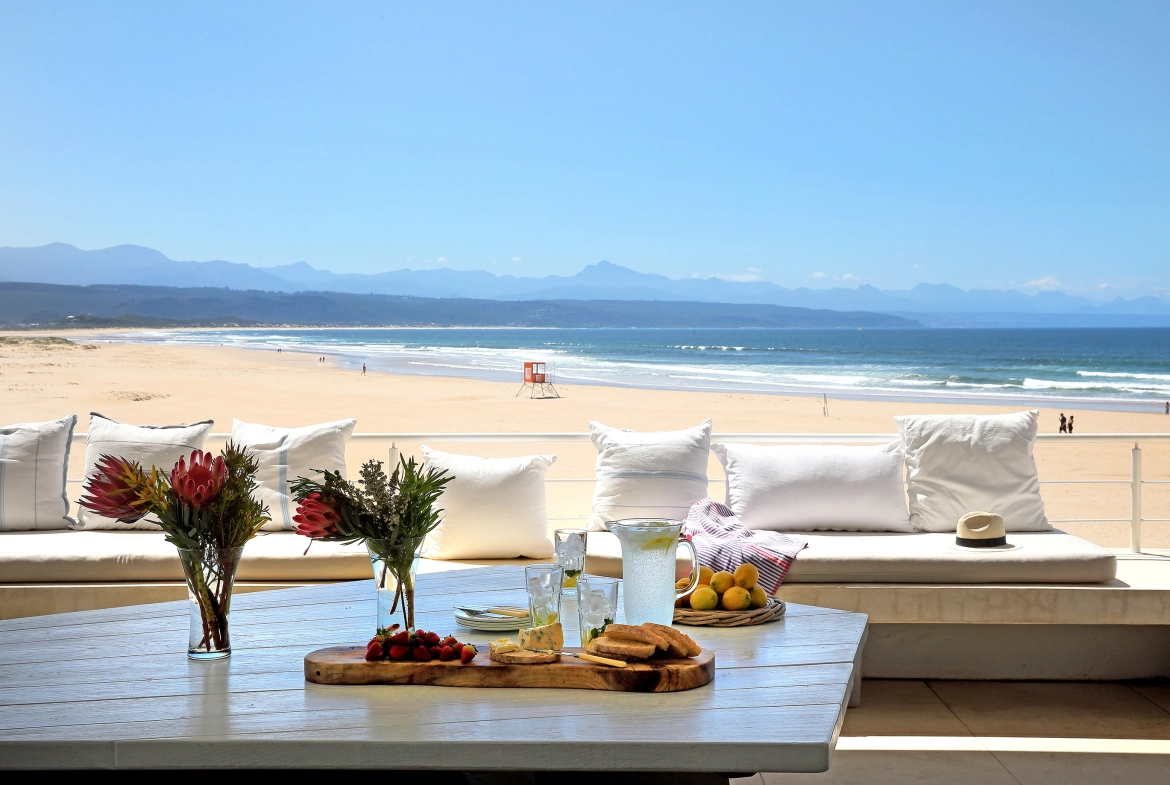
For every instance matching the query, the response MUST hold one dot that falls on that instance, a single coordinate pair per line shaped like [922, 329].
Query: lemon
[759, 597]
[736, 598]
[705, 574]
[747, 576]
[704, 598]
[722, 581]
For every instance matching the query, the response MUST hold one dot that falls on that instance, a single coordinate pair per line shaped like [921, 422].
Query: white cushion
[816, 488]
[956, 464]
[494, 508]
[151, 445]
[34, 458]
[287, 453]
[914, 558]
[657, 474]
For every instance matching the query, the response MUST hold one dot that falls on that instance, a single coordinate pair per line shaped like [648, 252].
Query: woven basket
[770, 612]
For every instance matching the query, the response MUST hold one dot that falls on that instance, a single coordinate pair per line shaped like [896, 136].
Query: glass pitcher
[648, 554]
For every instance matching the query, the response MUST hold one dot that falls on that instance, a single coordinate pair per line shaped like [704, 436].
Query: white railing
[1135, 481]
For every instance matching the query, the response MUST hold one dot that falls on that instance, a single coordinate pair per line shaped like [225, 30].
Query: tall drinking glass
[597, 602]
[544, 583]
[570, 550]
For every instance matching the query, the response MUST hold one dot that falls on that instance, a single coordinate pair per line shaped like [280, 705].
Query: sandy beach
[167, 384]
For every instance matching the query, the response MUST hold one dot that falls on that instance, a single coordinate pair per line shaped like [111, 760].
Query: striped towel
[723, 543]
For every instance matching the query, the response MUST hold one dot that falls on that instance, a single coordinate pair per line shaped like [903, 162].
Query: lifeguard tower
[538, 381]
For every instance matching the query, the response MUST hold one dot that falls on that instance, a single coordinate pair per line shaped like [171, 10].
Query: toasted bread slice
[623, 657]
[524, 657]
[642, 634]
[680, 639]
[636, 649]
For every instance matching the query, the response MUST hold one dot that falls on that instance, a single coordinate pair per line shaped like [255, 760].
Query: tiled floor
[1014, 733]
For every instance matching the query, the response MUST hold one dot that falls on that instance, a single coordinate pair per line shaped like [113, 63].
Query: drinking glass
[597, 602]
[570, 549]
[544, 583]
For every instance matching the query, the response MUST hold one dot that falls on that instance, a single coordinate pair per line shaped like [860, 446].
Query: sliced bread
[641, 634]
[635, 649]
[680, 639]
[524, 657]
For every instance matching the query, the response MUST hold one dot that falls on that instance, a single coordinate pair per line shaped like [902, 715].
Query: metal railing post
[1135, 499]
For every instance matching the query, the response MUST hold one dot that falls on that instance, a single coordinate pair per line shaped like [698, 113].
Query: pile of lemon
[736, 591]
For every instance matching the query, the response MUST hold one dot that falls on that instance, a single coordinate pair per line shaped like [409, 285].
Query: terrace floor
[1000, 733]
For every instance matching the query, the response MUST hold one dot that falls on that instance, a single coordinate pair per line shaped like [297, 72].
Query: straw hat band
[981, 530]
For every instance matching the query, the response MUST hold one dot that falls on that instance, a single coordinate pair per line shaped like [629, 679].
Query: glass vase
[210, 573]
[395, 564]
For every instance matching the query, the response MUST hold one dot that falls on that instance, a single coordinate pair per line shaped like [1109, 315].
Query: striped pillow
[150, 445]
[287, 453]
[34, 457]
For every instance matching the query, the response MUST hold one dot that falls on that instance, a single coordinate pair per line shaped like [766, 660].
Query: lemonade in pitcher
[648, 567]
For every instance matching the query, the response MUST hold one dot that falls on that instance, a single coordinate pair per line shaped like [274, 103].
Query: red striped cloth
[723, 543]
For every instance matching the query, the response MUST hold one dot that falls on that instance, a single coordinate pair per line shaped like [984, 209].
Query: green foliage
[393, 508]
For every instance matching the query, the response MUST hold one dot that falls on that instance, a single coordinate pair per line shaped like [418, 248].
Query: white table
[114, 689]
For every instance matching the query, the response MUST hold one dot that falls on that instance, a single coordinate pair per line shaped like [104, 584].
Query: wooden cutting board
[348, 665]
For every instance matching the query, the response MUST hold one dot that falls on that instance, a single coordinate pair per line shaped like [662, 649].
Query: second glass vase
[395, 564]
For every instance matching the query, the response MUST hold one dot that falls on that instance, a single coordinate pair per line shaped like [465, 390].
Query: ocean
[1121, 369]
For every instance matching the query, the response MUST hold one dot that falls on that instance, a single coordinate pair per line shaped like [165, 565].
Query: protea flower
[316, 517]
[119, 489]
[199, 483]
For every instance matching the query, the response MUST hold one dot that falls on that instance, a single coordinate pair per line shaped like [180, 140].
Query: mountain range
[932, 304]
[38, 304]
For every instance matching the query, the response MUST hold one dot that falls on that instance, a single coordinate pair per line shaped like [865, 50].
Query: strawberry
[467, 654]
[447, 653]
[449, 641]
[422, 654]
[400, 638]
[432, 638]
[435, 652]
[374, 650]
[399, 652]
[457, 648]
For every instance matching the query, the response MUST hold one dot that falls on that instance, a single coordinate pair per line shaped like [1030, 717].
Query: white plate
[491, 623]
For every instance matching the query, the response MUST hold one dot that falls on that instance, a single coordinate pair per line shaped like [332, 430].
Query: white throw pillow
[493, 509]
[34, 459]
[956, 464]
[657, 474]
[150, 445]
[287, 453]
[816, 488]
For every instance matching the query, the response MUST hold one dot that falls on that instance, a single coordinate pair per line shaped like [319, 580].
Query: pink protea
[199, 483]
[316, 518]
[118, 489]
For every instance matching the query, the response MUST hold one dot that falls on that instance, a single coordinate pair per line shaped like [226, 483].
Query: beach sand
[151, 384]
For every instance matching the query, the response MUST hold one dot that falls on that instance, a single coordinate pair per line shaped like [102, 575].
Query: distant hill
[28, 304]
[129, 264]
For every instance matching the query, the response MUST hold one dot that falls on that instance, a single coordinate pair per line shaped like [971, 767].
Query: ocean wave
[1157, 377]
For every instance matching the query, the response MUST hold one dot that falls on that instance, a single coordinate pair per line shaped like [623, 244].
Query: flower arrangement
[206, 510]
[390, 514]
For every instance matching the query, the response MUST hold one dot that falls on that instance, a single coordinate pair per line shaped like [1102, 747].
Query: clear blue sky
[981, 144]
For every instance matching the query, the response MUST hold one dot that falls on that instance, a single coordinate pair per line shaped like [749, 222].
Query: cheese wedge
[503, 645]
[548, 637]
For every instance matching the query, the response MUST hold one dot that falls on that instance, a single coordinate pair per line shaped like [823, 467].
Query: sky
[983, 144]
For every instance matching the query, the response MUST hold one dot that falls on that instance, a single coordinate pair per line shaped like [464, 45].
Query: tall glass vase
[395, 564]
[210, 573]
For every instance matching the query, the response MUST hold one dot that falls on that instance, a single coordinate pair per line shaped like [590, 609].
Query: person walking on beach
[1063, 423]
[1167, 407]
[1070, 423]
[363, 369]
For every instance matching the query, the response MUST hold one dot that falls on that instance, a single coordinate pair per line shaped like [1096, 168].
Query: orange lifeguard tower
[538, 381]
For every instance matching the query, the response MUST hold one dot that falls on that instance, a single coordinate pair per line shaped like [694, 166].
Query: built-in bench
[1057, 607]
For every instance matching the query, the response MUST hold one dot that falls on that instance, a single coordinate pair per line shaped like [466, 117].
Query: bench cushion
[889, 557]
[126, 556]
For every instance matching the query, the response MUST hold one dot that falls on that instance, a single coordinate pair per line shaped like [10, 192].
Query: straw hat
[980, 530]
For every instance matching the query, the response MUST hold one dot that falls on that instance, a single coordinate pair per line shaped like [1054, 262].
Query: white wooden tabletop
[114, 689]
